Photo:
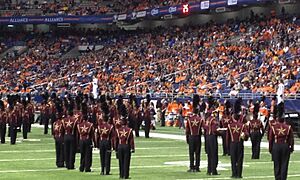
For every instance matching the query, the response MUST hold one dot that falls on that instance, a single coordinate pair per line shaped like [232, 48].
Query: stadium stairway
[16, 50]
[72, 53]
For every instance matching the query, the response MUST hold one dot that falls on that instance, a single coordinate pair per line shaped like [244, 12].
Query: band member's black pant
[41, 118]
[8, 134]
[94, 118]
[105, 155]
[25, 129]
[194, 151]
[212, 154]
[281, 157]
[131, 123]
[13, 134]
[53, 119]
[70, 151]
[147, 128]
[205, 143]
[46, 123]
[124, 160]
[255, 140]
[31, 118]
[237, 157]
[19, 123]
[59, 149]
[2, 132]
[137, 126]
[85, 155]
[163, 119]
[224, 144]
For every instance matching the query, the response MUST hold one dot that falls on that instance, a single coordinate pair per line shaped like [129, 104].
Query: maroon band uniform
[105, 143]
[281, 145]
[69, 126]
[138, 121]
[26, 123]
[30, 109]
[117, 122]
[147, 120]
[256, 132]
[193, 138]
[211, 133]
[19, 111]
[13, 124]
[3, 122]
[271, 123]
[236, 134]
[86, 132]
[124, 144]
[46, 117]
[52, 115]
[58, 134]
[226, 119]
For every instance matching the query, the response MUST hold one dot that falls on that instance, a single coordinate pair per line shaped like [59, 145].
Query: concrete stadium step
[72, 53]
[15, 49]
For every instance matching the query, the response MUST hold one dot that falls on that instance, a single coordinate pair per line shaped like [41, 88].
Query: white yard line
[30, 170]
[93, 169]
[113, 156]
[183, 138]
[153, 141]
[140, 167]
[34, 159]
[27, 151]
[170, 147]
[94, 150]
[140, 156]
[248, 177]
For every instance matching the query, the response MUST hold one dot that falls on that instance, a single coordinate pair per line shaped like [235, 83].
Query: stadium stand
[248, 57]
[185, 60]
[69, 56]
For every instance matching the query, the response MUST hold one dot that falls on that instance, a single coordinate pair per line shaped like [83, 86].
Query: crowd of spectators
[73, 7]
[2, 47]
[254, 55]
[44, 51]
[10, 39]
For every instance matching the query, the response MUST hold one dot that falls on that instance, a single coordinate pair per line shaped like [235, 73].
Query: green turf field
[154, 159]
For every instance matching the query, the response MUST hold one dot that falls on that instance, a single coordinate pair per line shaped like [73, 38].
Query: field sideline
[155, 158]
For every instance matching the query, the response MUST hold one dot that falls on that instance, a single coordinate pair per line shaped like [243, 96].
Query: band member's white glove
[242, 135]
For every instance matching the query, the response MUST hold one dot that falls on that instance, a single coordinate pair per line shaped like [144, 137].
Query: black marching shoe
[190, 170]
[215, 174]
[197, 170]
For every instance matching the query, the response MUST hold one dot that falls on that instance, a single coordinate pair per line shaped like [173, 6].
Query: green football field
[155, 158]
